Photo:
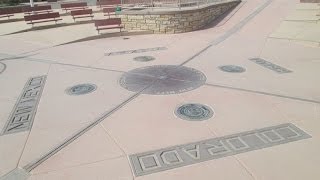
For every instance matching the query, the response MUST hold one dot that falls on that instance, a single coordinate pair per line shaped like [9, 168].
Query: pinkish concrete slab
[11, 146]
[76, 54]
[59, 122]
[255, 46]
[153, 126]
[6, 108]
[297, 111]
[16, 74]
[94, 146]
[249, 111]
[17, 47]
[300, 157]
[109, 169]
[8, 28]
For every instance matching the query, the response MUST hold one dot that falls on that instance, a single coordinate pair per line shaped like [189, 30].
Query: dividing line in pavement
[4, 67]
[29, 167]
[26, 58]
[231, 31]
[264, 93]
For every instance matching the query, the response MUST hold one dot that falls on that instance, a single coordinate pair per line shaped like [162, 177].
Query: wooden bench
[37, 9]
[83, 13]
[40, 18]
[74, 6]
[108, 11]
[112, 23]
[108, 3]
[10, 11]
[5, 13]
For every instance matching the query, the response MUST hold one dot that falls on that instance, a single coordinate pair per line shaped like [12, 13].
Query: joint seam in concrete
[264, 93]
[4, 67]
[29, 167]
[231, 31]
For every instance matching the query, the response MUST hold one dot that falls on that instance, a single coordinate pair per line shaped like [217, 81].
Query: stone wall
[310, 1]
[177, 21]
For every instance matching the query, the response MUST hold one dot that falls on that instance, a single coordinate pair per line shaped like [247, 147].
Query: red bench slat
[37, 8]
[107, 22]
[9, 11]
[12, 10]
[35, 17]
[108, 3]
[113, 23]
[84, 13]
[73, 5]
[81, 12]
[109, 10]
[3, 12]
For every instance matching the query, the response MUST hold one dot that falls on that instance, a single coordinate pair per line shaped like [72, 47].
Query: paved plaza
[236, 100]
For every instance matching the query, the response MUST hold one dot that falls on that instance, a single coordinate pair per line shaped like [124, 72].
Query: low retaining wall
[310, 1]
[175, 21]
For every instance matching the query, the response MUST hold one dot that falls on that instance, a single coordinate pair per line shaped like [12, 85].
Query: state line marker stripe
[135, 51]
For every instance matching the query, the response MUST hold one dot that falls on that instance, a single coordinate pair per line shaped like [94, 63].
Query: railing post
[31, 3]
[179, 4]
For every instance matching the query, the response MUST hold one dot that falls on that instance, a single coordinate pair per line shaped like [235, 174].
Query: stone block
[183, 19]
[158, 32]
[144, 27]
[165, 22]
[179, 31]
[195, 28]
[169, 31]
[135, 17]
[150, 21]
[153, 26]
[140, 21]
[188, 29]
[154, 16]
[165, 16]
